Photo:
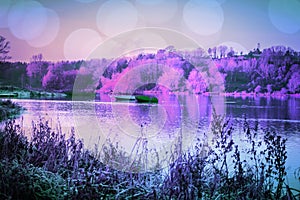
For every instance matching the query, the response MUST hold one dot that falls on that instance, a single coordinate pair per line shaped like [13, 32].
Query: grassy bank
[8, 109]
[16, 92]
[53, 166]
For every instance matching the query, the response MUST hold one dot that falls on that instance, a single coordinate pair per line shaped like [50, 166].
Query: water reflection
[140, 114]
[172, 113]
[274, 113]
[175, 116]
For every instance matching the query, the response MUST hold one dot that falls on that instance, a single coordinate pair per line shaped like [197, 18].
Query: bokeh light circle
[284, 15]
[116, 16]
[49, 33]
[80, 43]
[165, 10]
[203, 17]
[142, 74]
[27, 19]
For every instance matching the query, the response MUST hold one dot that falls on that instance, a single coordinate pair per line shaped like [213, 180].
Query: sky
[72, 29]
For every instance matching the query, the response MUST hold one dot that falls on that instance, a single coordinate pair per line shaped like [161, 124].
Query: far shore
[16, 92]
[19, 93]
[276, 94]
[253, 94]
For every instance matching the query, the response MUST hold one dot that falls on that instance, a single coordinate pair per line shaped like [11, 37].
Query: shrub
[8, 109]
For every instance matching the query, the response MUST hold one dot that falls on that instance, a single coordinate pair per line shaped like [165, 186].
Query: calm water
[163, 124]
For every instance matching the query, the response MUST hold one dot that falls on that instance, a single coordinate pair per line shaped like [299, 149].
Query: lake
[174, 118]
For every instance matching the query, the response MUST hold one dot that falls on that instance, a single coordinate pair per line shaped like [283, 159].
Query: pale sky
[72, 29]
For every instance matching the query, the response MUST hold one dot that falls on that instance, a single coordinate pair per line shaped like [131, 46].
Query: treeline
[272, 70]
[275, 69]
[40, 75]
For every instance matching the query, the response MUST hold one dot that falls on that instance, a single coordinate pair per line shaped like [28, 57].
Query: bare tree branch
[4, 49]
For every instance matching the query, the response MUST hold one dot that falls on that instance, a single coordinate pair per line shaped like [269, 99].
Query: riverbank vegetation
[51, 165]
[8, 109]
[271, 71]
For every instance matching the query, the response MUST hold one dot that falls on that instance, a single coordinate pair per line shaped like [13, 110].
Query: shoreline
[226, 94]
[27, 94]
[21, 93]
[253, 94]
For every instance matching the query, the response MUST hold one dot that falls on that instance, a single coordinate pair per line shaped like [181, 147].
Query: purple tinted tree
[294, 83]
[34, 67]
[52, 80]
[209, 51]
[58, 78]
[35, 71]
[222, 50]
[197, 83]
[37, 58]
[214, 50]
[231, 52]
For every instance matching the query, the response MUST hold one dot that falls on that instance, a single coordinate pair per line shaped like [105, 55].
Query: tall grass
[50, 165]
[8, 109]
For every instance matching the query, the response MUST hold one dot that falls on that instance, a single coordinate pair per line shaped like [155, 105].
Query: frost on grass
[52, 165]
